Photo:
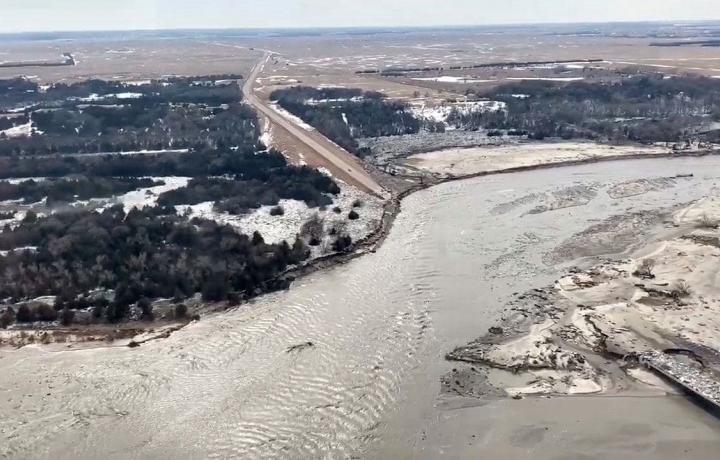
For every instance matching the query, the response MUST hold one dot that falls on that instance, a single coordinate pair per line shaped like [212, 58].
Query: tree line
[68, 190]
[139, 255]
[643, 108]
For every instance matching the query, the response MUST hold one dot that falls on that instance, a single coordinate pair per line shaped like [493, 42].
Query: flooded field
[348, 361]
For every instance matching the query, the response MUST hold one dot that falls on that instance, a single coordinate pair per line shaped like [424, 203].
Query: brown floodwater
[231, 386]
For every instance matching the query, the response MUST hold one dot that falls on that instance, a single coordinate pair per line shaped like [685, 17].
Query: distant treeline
[642, 108]
[710, 43]
[100, 116]
[67, 61]
[253, 180]
[400, 71]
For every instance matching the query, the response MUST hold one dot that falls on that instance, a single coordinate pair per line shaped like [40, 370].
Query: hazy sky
[44, 15]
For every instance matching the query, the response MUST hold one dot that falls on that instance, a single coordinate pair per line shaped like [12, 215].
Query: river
[231, 386]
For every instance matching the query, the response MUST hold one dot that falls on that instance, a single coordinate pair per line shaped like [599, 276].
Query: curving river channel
[231, 386]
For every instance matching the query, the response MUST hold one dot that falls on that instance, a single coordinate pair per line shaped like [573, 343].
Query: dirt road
[340, 163]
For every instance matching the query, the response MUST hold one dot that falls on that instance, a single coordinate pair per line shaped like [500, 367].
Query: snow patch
[451, 79]
[22, 249]
[96, 97]
[144, 197]
[546, 78]
[18, 131]
[289, 116]
[441, 113]
[288, 226]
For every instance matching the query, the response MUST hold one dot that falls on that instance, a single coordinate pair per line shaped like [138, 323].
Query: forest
[644, 108]
[344, 115]
[139, 255]
[239, 196]
[96, 116]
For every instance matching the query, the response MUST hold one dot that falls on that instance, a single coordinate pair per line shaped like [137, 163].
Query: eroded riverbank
[231, 385]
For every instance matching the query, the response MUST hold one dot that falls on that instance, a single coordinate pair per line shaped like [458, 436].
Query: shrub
[7, 318]
[116, 311]
[147, 309]
[342, 244]
[234, 298]
[45, 313]
[645, 270]
[181, 310]
[99, 308]
[277, 211]
[708, 222]
[353, 215]
[337, 209]
[30, 218]
[257, 238]
[313, 229]
[682, 289]
[67, 316]
[24, 315]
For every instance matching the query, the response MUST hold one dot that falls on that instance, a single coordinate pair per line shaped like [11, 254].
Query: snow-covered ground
[135, 199]
[24, 130]
[16, 181]
[97, 97]
[131, 152]
[266, 137]
[546, 78]
[12, 221]
[22, 249]
[328, 101]
[296, 120]
[287, 227]
[452, 79]
[148, 196]
[20, 211]
[329, 86]
[137, 83]
[274, 229]
[440, 113]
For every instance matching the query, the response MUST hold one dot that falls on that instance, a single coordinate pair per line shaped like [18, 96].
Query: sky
[76, 15]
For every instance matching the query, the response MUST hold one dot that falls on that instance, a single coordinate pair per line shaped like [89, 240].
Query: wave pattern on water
[232, 386]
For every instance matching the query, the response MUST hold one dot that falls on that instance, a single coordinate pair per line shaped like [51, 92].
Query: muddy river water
[230, 386]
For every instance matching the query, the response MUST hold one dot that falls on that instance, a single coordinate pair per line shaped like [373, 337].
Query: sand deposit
[598, 329]
[459, 162]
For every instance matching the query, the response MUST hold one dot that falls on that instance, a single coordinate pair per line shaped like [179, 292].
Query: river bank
[400, 186]
[236, 384]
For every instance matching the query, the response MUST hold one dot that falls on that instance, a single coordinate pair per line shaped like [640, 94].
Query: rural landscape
[447, 242]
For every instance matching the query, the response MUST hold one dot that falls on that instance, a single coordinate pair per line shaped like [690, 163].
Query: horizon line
[360, 27]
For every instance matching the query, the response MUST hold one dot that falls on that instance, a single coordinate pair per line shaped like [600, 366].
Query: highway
[335, 157]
